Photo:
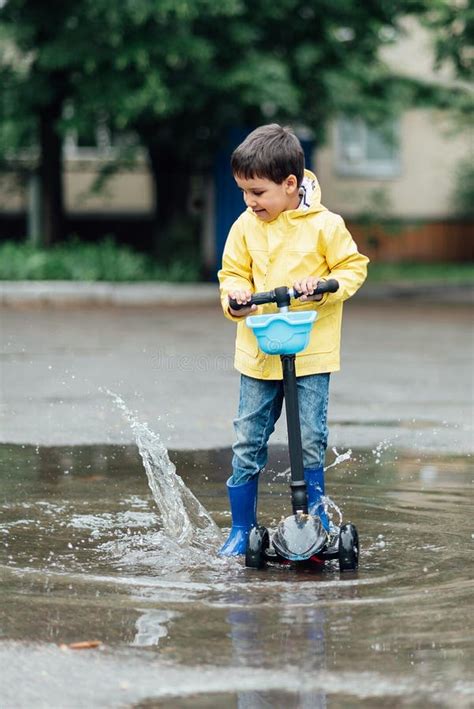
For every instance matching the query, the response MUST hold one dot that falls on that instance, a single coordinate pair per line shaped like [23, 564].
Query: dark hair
[271, 152]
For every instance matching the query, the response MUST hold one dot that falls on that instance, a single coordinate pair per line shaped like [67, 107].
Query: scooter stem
[299, 497]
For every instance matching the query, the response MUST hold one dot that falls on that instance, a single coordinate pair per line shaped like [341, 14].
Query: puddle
[85, 554]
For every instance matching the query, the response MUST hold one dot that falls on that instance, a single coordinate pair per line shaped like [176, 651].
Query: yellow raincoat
[308, 241]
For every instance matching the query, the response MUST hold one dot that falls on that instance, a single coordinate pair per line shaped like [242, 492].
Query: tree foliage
[452, 25]
[180, 73]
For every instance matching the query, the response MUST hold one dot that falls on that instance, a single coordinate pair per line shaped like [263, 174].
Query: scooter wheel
[257, 545]
[348, 548]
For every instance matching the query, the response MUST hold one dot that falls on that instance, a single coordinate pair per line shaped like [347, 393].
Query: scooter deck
[328, 553]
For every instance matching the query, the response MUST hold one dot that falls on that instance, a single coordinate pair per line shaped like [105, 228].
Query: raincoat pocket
[246, 341]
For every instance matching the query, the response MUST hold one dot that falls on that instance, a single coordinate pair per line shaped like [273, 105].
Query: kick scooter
[301, 538]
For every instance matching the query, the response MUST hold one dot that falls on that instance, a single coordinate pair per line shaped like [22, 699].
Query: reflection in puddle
[85, 554]
[152, 626]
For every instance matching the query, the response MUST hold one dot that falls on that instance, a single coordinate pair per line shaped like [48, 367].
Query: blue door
[229, 203]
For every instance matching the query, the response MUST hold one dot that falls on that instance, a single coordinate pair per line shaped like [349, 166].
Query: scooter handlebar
[271, 296]
[329, 286]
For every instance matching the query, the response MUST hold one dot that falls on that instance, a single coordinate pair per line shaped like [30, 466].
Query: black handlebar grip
[237, 306]
[256, 299]
[263, 297]
[329, 286]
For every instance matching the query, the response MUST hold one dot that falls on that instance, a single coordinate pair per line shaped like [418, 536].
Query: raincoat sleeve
[345, 263]
[236, 271]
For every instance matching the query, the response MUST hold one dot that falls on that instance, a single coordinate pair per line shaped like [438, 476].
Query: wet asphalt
[86, 557]
[406, 379]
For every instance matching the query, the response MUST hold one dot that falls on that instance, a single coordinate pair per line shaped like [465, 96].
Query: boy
[285, 237]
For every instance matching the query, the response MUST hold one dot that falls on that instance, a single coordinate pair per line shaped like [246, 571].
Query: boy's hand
[241, 296]
[307, 286]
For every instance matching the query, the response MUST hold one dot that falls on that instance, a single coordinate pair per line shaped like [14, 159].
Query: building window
[366, 151]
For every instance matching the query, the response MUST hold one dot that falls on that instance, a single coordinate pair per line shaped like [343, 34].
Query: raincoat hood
[310, 193]
[310, 201]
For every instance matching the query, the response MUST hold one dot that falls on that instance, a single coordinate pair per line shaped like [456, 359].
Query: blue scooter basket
[282, 333]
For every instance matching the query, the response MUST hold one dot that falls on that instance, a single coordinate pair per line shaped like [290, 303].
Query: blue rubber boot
[315, 487]
[243, 506]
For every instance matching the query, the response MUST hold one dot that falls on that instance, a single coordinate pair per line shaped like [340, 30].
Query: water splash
[340, 458]
[184, 519]
[381, 447]
[329, 505]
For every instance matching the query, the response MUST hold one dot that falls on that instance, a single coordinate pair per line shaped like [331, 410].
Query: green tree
[36, 81]
[180, 73]
[453, 25]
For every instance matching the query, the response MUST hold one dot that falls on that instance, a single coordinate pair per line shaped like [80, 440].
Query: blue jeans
[260, 408]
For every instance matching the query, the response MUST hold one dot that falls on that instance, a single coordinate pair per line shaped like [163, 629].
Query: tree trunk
[51, 177]
[171, 186]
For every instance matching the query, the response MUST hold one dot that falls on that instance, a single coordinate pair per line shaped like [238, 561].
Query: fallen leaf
[83, 645]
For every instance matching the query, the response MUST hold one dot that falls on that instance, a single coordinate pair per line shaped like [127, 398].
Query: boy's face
[268, 199]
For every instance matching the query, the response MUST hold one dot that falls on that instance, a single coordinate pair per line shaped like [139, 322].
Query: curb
[83, 293]
[430, 291]
[65, 293]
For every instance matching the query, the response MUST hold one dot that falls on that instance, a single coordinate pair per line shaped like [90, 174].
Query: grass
[443, 273]
[99, 261]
